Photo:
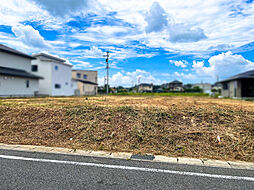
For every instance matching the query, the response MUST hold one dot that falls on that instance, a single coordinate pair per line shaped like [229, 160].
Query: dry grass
[172, 126]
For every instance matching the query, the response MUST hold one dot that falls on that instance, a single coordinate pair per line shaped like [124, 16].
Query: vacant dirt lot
[172, 126]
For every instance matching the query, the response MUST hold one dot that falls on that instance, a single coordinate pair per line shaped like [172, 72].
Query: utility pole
[107, 67]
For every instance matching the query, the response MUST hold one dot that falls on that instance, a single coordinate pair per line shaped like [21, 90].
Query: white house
[206, 87]
[57, 74]
[16, 78]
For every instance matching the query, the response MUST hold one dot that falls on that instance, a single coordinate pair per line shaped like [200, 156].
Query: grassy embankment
[171, 126]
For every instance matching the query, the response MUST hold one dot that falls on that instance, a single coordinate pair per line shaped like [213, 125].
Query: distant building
[239, 86]
[56, 73]
[144, 87]
[206, 87]
[86, 81]
[176, 86]
[16, 78]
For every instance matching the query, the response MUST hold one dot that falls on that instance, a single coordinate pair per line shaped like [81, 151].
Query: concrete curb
[127, 156]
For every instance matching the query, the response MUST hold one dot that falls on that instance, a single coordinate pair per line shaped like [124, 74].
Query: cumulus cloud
[182, 33]
[30, 37]
[156, 18]
[61, 8]
[223, 65]
[184, 76]
[131, 78]
[93, 52]
[220, 66]
[181, 63]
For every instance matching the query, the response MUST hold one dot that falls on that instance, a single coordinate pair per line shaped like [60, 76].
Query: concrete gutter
[130, 156]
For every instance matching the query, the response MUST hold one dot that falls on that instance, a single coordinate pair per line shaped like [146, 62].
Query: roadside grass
[159, 94]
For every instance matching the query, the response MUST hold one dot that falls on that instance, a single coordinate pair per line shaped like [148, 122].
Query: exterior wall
[16, 86]
[206, 87]
[234, 89]
[86, 89]
[74, 85]
[15, 62]
[90, 89]
[52, 76]
[44, 70]
[61, 76]
[145, 88]
[92, 76]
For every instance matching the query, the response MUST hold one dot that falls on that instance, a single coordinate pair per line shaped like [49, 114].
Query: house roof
[49, 57]
[80, 70]
[145, 84]
[245, 75]
[176, 82]
[17, 73]
[6, 49]
[85, 82]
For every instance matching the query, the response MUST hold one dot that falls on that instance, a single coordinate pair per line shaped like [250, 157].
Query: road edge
[129, 156]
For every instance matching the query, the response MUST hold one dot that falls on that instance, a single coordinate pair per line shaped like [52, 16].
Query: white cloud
[124, 53]
[81, 64]
[163, 24]
[182, 75]
[221, 21]
[62, 8]
[156, 18]
[181, 63]
[183, 33]
[227, 64]
[30, 37]
[131, 78]
[93, 52]
[220, 66]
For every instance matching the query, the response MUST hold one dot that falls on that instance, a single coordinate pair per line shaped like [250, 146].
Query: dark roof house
[16, 78]
[240, 85]
[6, 49]
[17, 73]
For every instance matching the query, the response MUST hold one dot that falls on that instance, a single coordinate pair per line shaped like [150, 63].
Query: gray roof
[145, 84]
[86, 82]
[17, 73]
[81, 70]
[176, 82]
[245, 75]
[6, 49]
[49, 57]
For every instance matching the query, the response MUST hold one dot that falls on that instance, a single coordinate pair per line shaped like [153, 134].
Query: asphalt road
[26, 170]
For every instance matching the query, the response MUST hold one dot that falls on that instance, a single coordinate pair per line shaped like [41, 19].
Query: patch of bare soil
[171, 126]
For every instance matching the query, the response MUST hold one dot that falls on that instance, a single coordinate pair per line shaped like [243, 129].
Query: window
[85, 76]
[78, 75]
[57, 86]
[27, 83]
[34, 68]
[56, 67]
[225, 86]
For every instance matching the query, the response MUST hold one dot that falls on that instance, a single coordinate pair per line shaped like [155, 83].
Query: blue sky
[154, 41]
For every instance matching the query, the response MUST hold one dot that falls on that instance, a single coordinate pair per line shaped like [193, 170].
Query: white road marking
[128, 168]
